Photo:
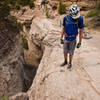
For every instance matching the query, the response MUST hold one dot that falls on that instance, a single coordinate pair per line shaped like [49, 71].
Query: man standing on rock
[71, 23]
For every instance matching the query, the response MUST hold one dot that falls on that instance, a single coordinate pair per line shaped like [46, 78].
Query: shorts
[69, 47]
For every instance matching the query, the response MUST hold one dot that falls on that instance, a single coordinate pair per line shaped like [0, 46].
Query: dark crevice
[28, 72]
[29, 75]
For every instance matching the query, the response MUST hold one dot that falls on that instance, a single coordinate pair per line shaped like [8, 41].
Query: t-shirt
[71, 26]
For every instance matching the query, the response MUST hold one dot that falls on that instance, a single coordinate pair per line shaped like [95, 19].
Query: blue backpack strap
[65, 20]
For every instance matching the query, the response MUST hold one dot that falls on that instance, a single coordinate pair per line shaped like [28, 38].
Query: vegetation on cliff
[95, 11]
[7, 5]
[95, 15]
[24, 43]
[5, 97]
[61, 8]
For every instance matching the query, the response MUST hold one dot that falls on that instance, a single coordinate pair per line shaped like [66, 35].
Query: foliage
[98, 5]
[5, 97]
[47, 13]
[7, 5]
[94, 12]
[4, 9]
[24, 43]
[14, 23]
[62, 8]
[31, 4]
[22, 2]
[25, 2]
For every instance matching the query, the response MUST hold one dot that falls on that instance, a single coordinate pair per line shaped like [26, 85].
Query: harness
[66, 19]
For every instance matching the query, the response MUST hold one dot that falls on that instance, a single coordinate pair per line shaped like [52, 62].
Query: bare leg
[65, 57]
[65, 60]
[70, 61]
[70, 58]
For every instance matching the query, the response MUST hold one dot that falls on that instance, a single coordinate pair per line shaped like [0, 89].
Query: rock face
[17, 66]
[55, 83]
[20, 96]
[11, 61]
[34, 54]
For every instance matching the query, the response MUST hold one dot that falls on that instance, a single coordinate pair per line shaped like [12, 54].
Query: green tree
[62, 8]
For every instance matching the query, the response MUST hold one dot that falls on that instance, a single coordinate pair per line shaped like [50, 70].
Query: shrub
[5, 97]
[23, 2]
[31, 4]
[62, 8]
[98, 5]
[93, 12]
[24, 43]
[16, 24]
[4, 9]
[7, 5]
[47, 13]
[26, 2]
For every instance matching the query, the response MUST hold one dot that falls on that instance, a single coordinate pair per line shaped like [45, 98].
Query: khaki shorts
[69, 47]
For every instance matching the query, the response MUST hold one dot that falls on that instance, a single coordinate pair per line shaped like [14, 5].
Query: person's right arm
[62, 33]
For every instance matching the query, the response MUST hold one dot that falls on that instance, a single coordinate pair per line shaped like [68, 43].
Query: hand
[61, 41]
[78, 45]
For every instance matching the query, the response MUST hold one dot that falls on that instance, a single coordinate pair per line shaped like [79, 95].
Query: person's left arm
[81, 31]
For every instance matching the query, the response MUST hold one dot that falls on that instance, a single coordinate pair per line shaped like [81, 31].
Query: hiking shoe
[69, 65]
[64, 63]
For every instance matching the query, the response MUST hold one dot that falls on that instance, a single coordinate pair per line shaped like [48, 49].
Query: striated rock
[10, 66]
[16, 75]
[20, 96]
[34, 54]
